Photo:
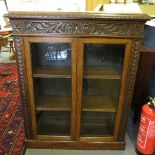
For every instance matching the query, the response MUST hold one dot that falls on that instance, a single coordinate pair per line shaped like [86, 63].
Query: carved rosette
[130, 85]
[72, 27]
[21, 72]
[138, 29]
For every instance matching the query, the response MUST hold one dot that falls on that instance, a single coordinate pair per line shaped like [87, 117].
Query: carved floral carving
[72, 28]
[21, 72]
[130, 83]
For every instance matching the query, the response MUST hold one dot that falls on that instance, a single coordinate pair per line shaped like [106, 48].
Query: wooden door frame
[81, 42]
[27, 41]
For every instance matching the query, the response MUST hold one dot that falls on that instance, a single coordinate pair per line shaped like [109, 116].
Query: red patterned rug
[12, 132]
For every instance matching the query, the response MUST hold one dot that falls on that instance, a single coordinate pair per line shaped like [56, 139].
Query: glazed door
[101, 74]
[51, 69]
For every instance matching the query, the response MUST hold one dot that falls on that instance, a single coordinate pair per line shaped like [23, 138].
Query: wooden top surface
[76, 15]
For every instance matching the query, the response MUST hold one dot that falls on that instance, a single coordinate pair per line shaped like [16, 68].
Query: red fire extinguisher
[146, 134]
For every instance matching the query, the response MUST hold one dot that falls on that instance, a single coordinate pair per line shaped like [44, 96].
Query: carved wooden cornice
[74, 27]
[80, 23]
[76, 15]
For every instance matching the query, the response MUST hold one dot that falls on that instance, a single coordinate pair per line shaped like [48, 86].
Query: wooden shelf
[53, 103]
[96, 130]
[98, 104]
[65, 72]
[102, 73]
[61, 103]
[50, 72]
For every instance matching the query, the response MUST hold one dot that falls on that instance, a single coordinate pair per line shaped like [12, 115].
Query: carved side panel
[129, 86]
[22, 79]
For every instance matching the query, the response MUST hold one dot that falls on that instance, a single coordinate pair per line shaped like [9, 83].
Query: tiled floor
[129, 150]
[77, 152]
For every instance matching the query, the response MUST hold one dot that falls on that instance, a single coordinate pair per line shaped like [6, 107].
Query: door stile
[79, 86]
[122, 90]
[30, 86]
[74, 87]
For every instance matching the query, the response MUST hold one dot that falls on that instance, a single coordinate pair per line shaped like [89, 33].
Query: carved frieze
[74, 27]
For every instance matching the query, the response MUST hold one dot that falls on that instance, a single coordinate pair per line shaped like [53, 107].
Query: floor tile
[104, 152]
[65, 152]
[38, 152]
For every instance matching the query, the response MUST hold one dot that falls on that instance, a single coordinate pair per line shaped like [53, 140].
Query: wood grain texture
[55, 72]
[112, 145]
[31, 107]
[102, 73]
[80, 58]
[75, 15]
[74, 89]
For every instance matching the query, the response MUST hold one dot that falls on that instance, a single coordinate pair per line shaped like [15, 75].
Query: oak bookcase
[77, 73]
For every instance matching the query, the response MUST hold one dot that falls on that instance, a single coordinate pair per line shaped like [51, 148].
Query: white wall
[46, 5]
[2, 12]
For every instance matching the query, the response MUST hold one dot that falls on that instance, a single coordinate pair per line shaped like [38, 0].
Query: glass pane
[51, 70]
[100, 94]
[102, 58]
[103, 66]
[97, 124]
[99, 104]
[53, 105]
[53, 123]
[54, 58]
